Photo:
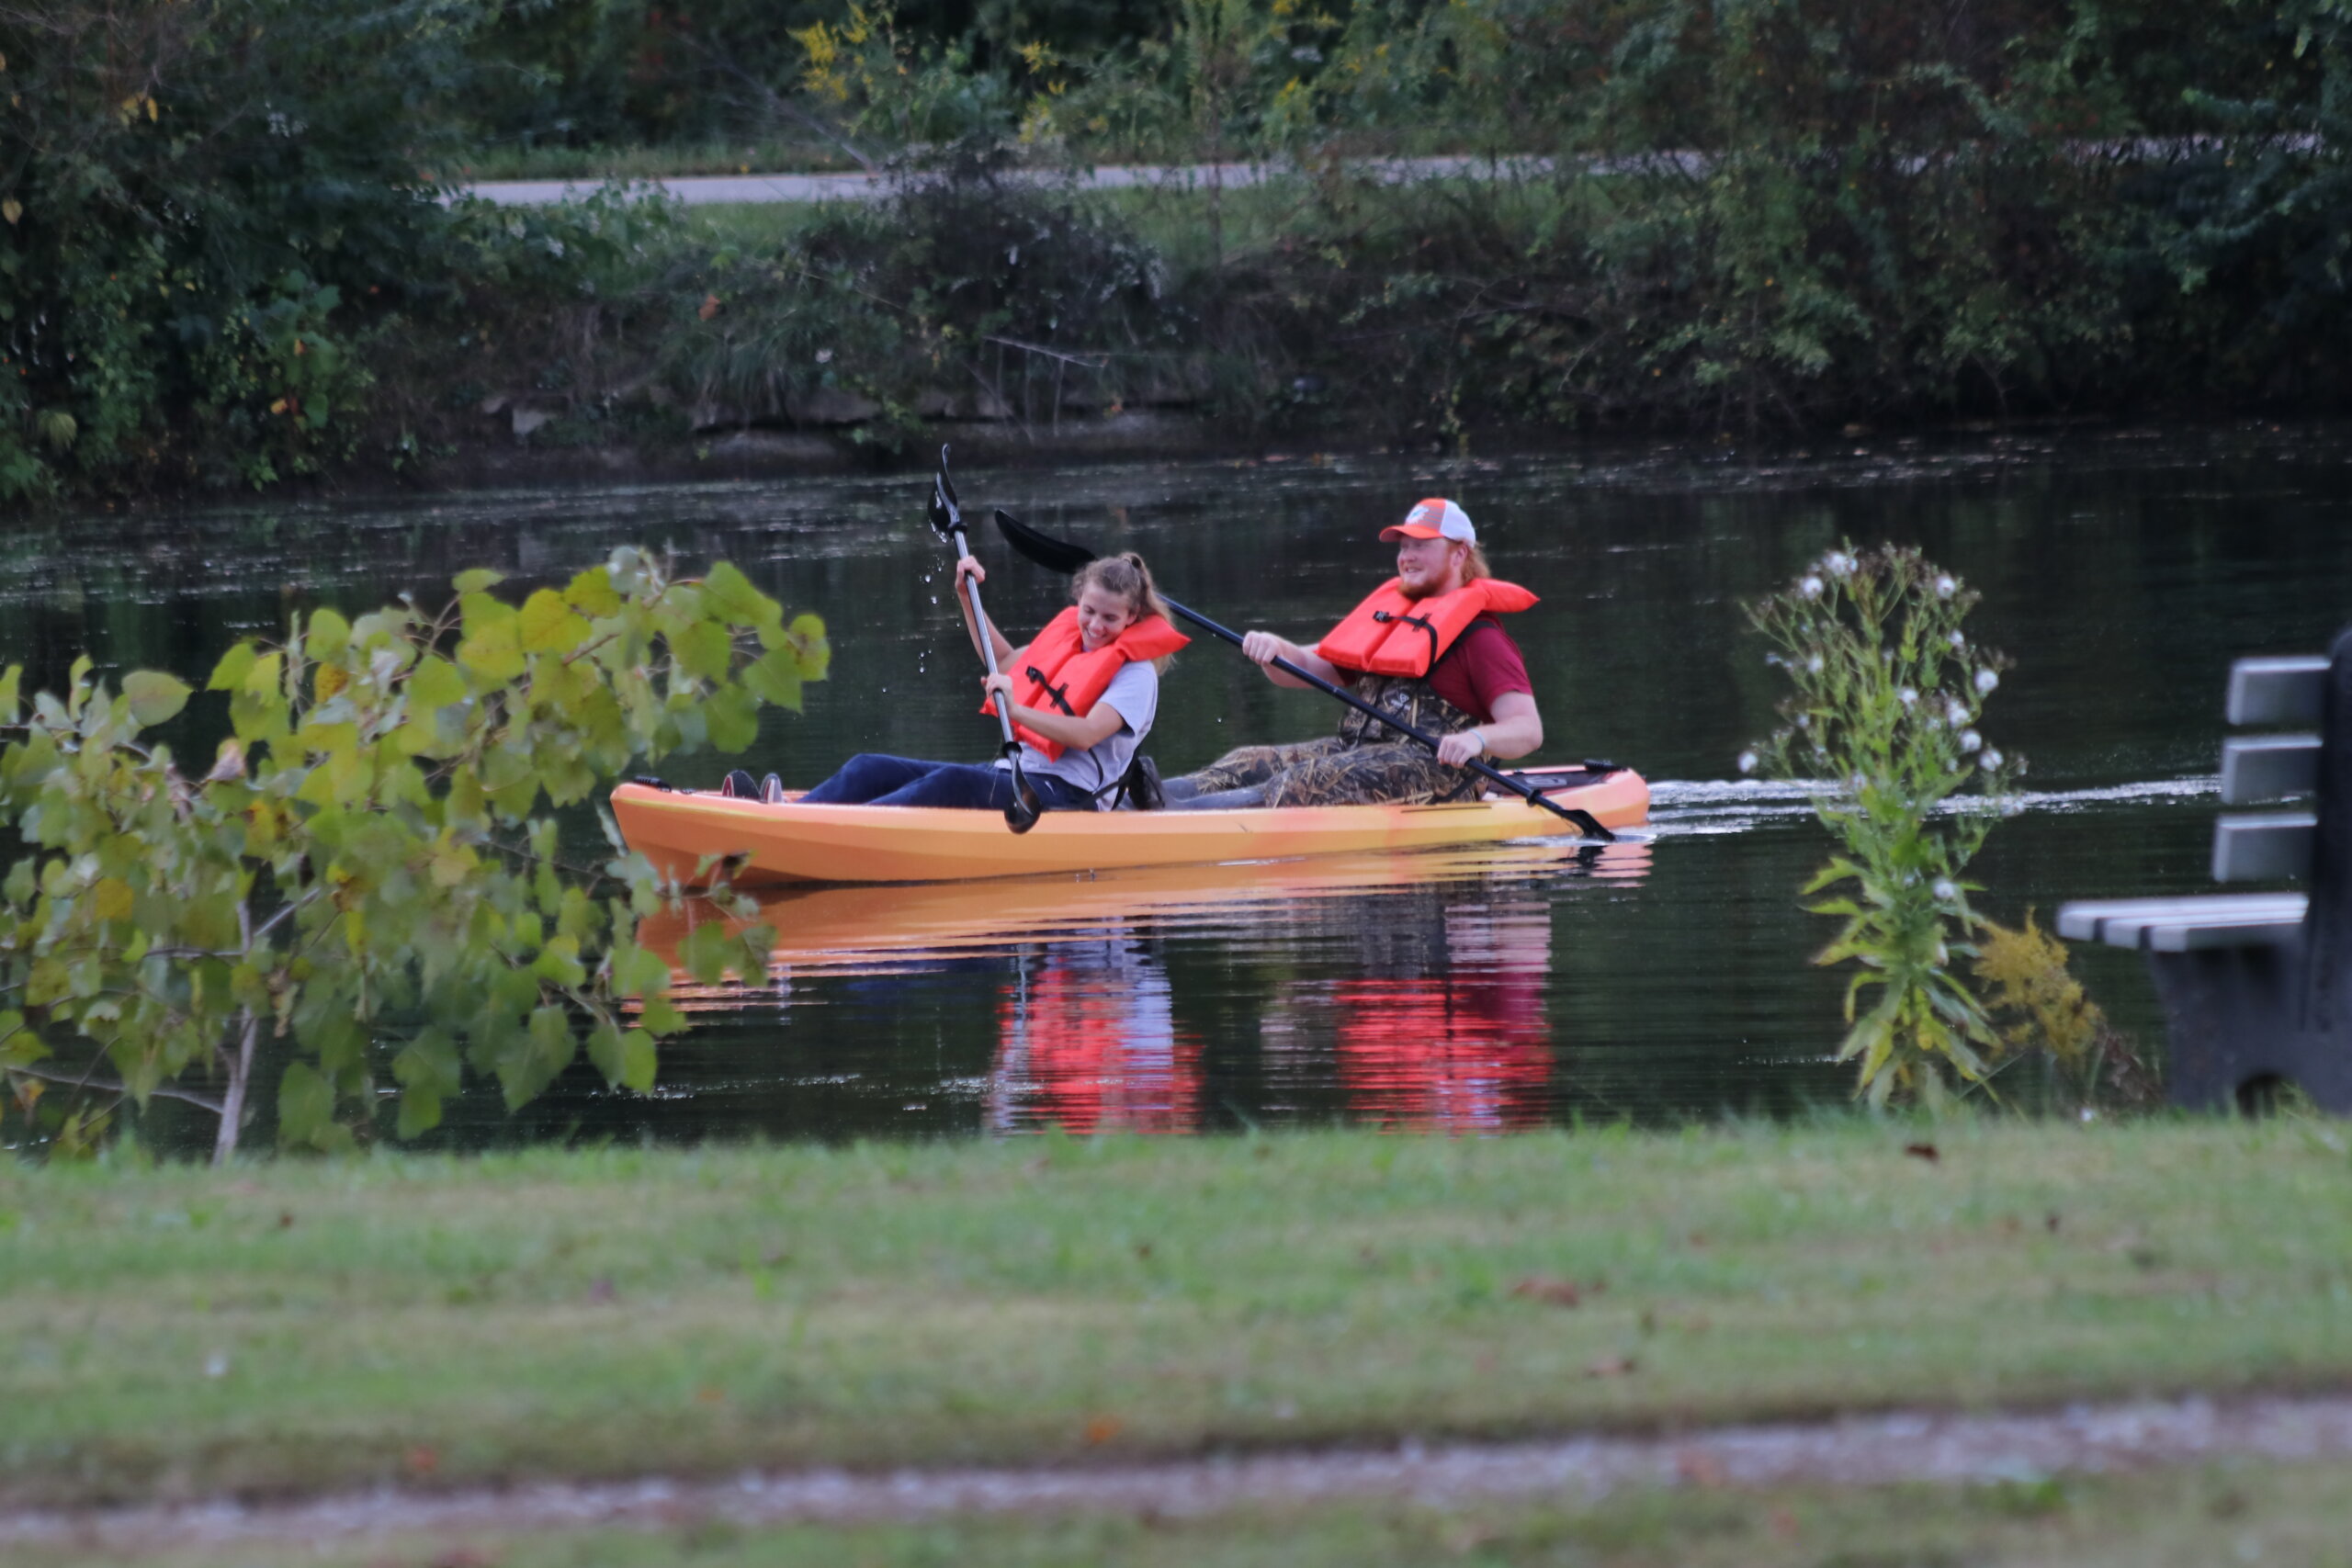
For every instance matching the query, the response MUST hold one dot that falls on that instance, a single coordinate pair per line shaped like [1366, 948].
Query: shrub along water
[1888, 694]
[365, 872]
[225, 260]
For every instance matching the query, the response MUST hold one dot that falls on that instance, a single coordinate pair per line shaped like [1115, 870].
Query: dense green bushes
[227, 260]
[202, 202]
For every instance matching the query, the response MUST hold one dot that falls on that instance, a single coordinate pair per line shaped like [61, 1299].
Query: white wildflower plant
[1887, 690]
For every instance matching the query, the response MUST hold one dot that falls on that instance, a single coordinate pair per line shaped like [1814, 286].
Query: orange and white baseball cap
[1435, 518]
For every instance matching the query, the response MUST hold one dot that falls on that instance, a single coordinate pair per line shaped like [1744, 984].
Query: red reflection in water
[1468, 1051]
[1088, 1039]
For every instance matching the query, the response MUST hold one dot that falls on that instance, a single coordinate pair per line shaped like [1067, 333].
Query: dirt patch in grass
[1968, 1471]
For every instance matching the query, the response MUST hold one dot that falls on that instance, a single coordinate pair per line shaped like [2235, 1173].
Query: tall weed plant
[1882, 722]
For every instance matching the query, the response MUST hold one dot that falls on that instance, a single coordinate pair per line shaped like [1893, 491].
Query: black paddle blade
[1054, 555]
[947, 519]
[1021, 812]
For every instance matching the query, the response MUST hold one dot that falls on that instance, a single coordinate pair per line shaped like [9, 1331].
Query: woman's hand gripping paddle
[1060, 554]
[1022, 813]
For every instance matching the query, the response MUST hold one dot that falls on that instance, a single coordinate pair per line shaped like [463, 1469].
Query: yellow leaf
[494, 653]
[111, 899]
[12, 209]
[550, 626]
[329, 679]
[452, 864]
[591, 592]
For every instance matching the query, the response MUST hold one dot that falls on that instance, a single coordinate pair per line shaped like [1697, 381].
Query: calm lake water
[1525, 985]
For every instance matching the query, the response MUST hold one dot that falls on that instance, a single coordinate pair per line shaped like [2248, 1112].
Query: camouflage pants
[1362, 766]
[1329, 772]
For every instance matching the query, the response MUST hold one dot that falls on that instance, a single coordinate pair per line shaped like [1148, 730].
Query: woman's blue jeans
[871, 779]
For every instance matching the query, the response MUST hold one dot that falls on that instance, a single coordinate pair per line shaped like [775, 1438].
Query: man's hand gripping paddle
[1059, 555]
[947, 522]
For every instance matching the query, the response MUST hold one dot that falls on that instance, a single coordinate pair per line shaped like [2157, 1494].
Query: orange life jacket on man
[1055, 673]
[1389, 634]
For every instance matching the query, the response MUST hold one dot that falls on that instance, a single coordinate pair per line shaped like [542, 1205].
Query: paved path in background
[696, 190]
[1876, 1450]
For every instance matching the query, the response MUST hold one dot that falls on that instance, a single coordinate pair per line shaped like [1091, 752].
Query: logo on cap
[1435, 518]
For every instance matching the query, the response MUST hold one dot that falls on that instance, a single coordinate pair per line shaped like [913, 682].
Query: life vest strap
[1427, 626]
[1060, 694]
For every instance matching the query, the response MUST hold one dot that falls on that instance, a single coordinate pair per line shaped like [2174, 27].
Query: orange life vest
[1055, 673]
[1389, 634]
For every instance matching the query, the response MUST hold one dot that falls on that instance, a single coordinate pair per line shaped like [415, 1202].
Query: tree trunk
[232, 1103]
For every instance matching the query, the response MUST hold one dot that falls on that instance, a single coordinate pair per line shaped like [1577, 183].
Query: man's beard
[1426, 589]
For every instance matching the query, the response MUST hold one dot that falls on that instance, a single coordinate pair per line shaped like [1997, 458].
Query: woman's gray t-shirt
[1135, 692]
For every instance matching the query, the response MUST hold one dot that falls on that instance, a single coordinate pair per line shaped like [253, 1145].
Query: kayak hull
[682, 831]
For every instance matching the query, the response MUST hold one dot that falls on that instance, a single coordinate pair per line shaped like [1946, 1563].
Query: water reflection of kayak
[854, 927]
[680, 830]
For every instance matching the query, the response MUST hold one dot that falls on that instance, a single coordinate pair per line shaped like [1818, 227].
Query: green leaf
[774, 677]
[558, 962]
[420, 1113]
[627, 1060]
[305, 1107]
[264, 677]
[639, 971]
[707, 952]
[605, 1050]
[550, 626]
[9, 703]
[154, 696]
[228, 675]
[434, 683]
[329, 635]
[731, 594]
[477, 580]
[807, 636]
[702, 650]
[639, 1060]
[592, 593]
[493, 654]
[733, 717]
[429, 1060]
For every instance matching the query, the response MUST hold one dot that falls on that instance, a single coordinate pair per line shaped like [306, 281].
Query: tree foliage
[368, 871]
[204, 200]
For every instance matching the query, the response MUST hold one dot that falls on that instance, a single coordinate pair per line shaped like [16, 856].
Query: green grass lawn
[297, 1325]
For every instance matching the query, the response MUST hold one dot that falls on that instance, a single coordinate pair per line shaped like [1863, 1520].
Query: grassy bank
[299, 1326]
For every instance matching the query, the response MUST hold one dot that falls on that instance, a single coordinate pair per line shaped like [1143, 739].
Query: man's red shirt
[1483, 664]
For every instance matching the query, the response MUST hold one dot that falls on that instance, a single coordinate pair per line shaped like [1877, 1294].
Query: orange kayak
[683, 831]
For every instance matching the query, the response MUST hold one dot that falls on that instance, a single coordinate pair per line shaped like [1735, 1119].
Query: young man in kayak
[1425, 646]
[1083, 697]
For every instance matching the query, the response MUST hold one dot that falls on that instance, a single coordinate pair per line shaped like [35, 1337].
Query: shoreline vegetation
[295, 1328]
[216, 272]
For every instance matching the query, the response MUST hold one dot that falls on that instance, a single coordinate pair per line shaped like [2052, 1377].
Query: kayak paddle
[1061, 556]
[948, 521]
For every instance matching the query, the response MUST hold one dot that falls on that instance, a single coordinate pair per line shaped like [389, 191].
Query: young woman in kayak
[1083, 694]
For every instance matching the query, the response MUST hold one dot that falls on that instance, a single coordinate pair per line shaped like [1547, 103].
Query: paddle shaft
[1585, 820]
[980, 634]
